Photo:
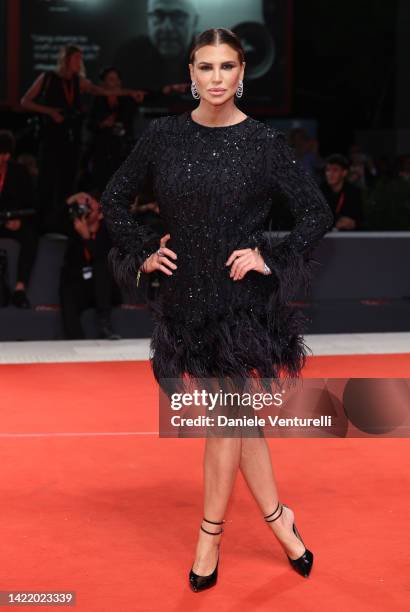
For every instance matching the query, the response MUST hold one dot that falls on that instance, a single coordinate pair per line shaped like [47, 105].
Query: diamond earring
[194, 91]
[239, 91]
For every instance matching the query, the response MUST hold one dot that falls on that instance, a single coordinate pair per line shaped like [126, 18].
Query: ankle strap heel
[303, 564]
[213, 523]
[272, 513]
[198, 582]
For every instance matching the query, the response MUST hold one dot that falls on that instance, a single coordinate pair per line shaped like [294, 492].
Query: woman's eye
[229, 66]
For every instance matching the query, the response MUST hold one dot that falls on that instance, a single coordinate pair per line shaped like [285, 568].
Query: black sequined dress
[215, 187]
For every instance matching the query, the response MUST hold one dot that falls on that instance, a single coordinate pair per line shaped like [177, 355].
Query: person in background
[16, 193]
[344, 199]
[389, 205]
[57, 96]
[29, 161]
[85, 279]
[362, 170]
[110, 121]
[159, 59]
[306, 151]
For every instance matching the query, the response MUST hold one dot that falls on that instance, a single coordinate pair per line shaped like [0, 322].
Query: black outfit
[347, 202]
[110, 145]
[78, 293]
[60, 150]
[17, 193]
[214, 187]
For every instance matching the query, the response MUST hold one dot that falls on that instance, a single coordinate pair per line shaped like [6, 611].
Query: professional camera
[79, 211]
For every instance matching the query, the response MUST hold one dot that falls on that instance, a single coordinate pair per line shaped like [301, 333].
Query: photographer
[85, 279]
[17, 196]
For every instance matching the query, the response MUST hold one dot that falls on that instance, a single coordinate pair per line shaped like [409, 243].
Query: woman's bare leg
[256, 467]
[221, 463]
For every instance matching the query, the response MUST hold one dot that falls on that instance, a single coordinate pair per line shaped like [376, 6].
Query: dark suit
[18, 193]
[78, 293]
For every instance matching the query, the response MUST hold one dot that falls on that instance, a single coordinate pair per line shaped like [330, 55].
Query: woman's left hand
[138, 95]
[243, 261]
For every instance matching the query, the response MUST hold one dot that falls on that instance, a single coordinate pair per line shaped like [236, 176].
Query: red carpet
[115, 518]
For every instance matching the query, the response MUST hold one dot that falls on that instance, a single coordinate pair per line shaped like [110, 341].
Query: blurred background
[332, 75]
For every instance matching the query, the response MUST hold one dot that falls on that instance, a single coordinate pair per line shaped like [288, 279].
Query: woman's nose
[217, 76]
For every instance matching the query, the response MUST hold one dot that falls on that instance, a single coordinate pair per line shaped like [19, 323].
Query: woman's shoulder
[265, 128]
[166, 124]
[175, 125]
[262, 132]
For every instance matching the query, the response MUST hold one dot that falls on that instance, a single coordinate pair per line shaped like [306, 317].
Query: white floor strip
[63, 351]
[359, 344]
[77, 434]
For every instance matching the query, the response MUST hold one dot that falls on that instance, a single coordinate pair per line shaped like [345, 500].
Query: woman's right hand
[55, 115]
[160, 261]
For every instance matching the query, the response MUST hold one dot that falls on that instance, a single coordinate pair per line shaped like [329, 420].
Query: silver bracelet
[266, 268]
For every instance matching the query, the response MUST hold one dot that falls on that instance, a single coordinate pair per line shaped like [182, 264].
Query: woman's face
[75, 62]
[216, 72]
[112, 80]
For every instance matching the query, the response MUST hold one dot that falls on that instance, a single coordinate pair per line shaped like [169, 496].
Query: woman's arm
[87, 86]
[133, 243]
[290, 260]
[27, 101]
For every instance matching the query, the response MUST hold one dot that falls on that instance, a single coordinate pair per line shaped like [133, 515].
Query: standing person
[222, 307]
[59, 101]
[17, 194]
[111, 122]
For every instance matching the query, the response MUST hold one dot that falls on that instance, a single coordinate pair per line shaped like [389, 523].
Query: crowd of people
[364, 193]
[58, 190]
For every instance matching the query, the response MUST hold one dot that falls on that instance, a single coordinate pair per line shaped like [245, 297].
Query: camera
[79, 211]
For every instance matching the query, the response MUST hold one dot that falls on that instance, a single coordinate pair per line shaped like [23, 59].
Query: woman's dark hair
[217, 36]
[103, 73]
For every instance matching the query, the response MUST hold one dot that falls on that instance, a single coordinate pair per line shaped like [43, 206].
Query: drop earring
[194, 90]
[239, 91]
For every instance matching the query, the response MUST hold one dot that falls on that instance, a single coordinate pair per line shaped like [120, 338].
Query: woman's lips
[217, 92]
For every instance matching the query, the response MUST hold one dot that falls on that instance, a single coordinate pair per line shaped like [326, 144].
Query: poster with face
[149, 42]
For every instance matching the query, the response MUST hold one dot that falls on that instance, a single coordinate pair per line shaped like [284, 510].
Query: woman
[57, 96]
[222, 308]
[111, 123]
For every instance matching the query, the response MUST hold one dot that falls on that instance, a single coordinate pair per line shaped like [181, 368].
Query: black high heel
[302, 564]
[197, 582]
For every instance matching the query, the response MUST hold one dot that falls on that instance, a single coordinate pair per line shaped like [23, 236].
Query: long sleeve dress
[215, 187]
